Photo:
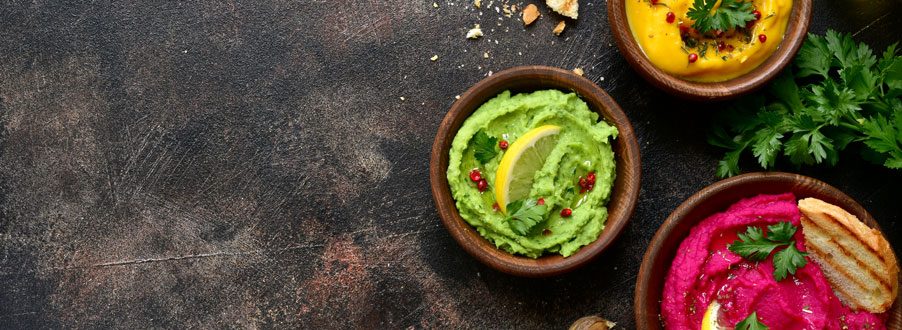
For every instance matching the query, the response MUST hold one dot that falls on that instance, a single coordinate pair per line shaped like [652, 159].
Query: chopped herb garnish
[484, 147]
[754, 246]
[691, 42]
[702, 49]
[730, 15]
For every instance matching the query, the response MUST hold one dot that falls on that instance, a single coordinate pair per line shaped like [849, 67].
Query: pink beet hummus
[704, 270]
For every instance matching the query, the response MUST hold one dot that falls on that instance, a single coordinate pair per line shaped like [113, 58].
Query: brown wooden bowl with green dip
[615, 195]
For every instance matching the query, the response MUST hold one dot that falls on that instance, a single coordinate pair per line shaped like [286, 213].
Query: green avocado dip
[565, 208]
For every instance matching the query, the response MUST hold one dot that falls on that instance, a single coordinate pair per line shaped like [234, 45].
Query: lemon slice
[709, 321]
[518, 166]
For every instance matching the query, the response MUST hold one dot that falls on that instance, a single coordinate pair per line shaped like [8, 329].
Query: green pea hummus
[583, 146]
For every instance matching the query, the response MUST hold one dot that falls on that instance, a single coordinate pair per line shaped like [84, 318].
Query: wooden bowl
[717, 198]
[527, 79]
[796, 31]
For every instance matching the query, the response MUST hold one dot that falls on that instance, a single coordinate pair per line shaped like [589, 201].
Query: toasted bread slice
[569, 8]
[856, 259]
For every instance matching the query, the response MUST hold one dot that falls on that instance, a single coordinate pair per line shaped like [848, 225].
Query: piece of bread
[569, 8]
[856, 259]
[530, 14]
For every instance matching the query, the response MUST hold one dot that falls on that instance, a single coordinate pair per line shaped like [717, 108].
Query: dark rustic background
[241, 164]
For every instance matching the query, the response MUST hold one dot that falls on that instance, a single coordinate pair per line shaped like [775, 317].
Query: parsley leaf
[525, 215]
[847, 52]
[751, 323]
[785, 90]
[484, 147]
[836, 94]
[885, 137]
[814, 58]
[730, 15]
[753, 246]
[788, 260]
[781, 232]
[767, 145]
[729, 165]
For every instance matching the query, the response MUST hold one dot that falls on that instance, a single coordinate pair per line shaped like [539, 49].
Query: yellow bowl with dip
[663, 31]
[663, 42]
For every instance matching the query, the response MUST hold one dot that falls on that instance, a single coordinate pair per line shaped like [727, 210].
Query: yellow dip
[662, 42]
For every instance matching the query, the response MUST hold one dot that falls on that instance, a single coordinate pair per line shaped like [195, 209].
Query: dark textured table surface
[242, 164]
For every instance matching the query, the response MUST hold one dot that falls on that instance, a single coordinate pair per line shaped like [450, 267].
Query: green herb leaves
[837, 93]
[781, 232]
[751, 323]
[885, 137]
[754, 246]
[788, 260]
[731, 14]
[484, 147]
[524, 215]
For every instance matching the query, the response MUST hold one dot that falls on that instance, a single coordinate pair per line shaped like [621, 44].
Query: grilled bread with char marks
[856, 259]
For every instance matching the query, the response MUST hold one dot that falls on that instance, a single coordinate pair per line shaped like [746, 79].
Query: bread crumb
[434, 5]
[569, 8]
[457, 97]
[579, 71]
[434, 58]
[475, 32]
[485, 55]
[402, 98]
[477, 3]
[559, 28]
[530, 14]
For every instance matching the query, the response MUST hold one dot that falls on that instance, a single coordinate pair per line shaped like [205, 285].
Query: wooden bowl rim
[796, 32]
[625, 190]
[655, 250]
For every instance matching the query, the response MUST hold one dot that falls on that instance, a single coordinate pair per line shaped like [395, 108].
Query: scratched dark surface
[252, 164]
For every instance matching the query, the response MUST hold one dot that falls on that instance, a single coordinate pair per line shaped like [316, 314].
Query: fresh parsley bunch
[837, 93]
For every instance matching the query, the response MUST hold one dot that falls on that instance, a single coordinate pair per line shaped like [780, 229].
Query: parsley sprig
[751, 323]
[788, 260]
[525, 215]
[754, 246]
[837, 93]
[730, 15]
[484, 147]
